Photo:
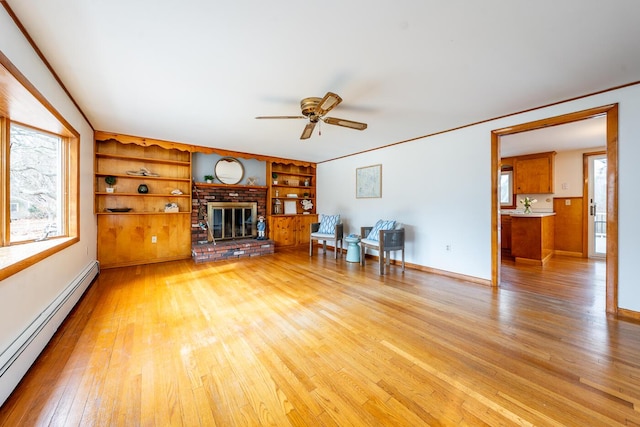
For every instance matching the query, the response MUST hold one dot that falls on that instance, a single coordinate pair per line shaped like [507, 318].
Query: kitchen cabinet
[532, 237]
[534, 173]
[505, 234]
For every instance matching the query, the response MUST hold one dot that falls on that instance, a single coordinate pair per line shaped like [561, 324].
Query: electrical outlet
[567, 202]
[154, 239]
[448, 247]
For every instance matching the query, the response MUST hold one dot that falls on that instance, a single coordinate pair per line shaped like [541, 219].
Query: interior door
[597, 197]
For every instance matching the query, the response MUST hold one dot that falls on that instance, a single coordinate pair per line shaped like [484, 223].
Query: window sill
[14, 259]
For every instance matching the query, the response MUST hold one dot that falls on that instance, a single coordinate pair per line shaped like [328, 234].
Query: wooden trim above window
[21, 102]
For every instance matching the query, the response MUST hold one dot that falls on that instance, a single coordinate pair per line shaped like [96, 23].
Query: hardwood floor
[292, 340]
[578, 281]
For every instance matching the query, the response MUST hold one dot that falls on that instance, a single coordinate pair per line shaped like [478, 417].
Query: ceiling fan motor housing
[308, 105]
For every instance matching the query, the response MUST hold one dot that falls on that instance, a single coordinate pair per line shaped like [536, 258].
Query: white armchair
[329, 228]
[388, 236]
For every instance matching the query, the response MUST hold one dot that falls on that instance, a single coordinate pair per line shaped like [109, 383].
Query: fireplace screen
[231, 220]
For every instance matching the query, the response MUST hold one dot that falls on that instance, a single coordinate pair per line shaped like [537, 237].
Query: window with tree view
[36, 185]
[39, 175]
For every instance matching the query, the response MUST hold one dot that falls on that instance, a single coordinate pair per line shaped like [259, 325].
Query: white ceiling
[584, 134]
[199, 71]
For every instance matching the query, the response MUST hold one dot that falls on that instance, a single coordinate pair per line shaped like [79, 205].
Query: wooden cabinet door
[304, 227]
[505, 234]
[282, 230]
[534, 175]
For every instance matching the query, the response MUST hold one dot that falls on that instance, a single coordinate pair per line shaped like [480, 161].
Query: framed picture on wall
[290, 207]
[369, 182]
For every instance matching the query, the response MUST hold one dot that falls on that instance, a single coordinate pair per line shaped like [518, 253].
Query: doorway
[596, 194]
[611, 114]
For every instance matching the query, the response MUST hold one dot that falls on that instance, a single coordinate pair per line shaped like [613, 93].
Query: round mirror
[229, 170]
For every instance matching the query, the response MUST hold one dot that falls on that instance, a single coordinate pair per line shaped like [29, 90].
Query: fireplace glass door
[230, 220]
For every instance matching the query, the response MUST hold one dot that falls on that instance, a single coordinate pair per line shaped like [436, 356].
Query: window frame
[62, 167]
[22, 104]
[512, 203]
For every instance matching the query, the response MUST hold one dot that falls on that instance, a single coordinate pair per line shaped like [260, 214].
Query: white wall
[440, 187]
[25, 295]
[204, 164]
[569, 173]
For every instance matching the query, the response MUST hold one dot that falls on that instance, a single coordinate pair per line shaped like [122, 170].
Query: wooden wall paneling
[126, 239]
[569, 234]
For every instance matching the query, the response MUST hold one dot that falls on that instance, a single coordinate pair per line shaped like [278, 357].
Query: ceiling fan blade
[326, 104]
[346, 123]
[281, 117]
[308, 130]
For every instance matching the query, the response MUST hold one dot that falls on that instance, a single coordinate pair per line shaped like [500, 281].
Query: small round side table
[353, 250]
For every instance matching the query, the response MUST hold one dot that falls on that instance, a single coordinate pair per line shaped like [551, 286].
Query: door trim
[611, 112]
[585, 199]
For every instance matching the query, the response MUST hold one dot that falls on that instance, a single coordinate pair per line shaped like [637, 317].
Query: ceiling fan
[314, 109]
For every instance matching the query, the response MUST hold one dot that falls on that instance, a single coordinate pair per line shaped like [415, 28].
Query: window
[36, 181]
[39, 188]
[507, 199]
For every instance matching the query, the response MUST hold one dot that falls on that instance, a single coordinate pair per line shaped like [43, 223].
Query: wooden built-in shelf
[142, 159]
[146, 233]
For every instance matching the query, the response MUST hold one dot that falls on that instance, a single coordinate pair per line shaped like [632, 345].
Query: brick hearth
[230, 249]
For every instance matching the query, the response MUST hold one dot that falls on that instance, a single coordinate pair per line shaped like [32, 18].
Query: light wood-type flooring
[291, 340]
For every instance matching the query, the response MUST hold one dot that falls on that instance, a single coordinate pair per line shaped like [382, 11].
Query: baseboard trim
[466, 278]
[20, 354]
[624, 313]
[458, 276]
[569, 253]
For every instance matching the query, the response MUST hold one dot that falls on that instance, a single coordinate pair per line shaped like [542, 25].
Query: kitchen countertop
[531, 215]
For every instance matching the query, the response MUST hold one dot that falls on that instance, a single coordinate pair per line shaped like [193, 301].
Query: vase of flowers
[527, 202]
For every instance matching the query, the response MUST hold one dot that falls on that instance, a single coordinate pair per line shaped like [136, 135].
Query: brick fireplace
[202, 249]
